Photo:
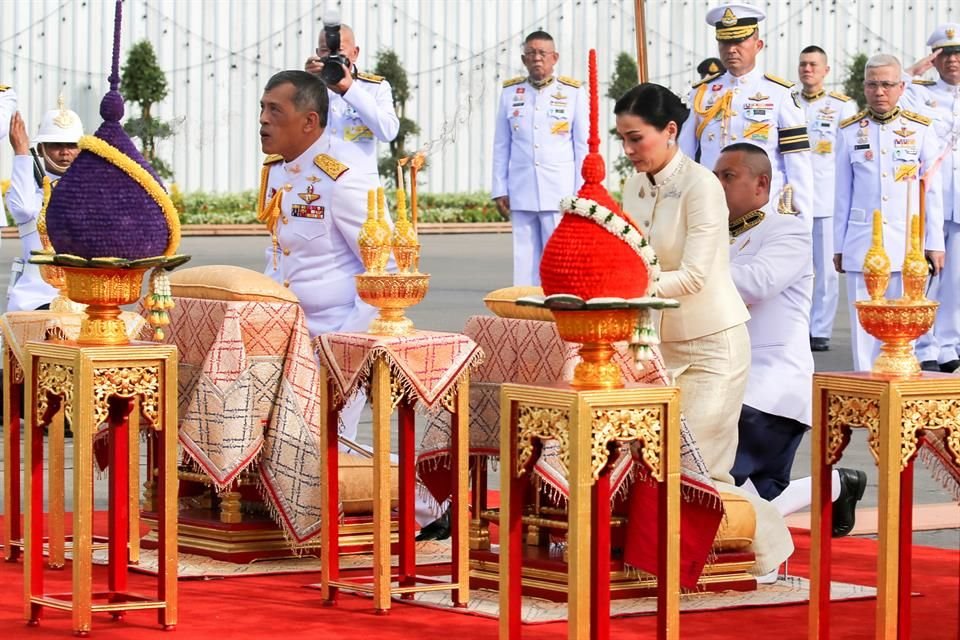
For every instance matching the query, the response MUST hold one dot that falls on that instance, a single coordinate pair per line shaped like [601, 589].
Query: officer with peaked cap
[881, 152]
[824, 111]
[744, 104]
[56, 143]
[940, 99]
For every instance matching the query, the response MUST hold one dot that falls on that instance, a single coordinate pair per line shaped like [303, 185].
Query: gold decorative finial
[914, 270]
[785, 202]
[374, 243]
[876, 264]
[406, 247]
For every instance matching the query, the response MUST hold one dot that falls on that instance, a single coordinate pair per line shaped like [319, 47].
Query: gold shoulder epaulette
[570, 82]
[921, 81]
[369, 77]
[4, 87]
[707, 79]
[273, 158]
[839, 96]
[330, 165]
[778, 80]
[916, 117]
[513, 81]
[857, 117]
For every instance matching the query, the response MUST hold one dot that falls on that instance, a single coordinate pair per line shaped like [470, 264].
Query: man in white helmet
[56, 150]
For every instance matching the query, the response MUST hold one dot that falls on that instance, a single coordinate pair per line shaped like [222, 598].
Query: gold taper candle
[415, 165]
[923, 211]
[371, 204]
[906, 224]
[400, 184]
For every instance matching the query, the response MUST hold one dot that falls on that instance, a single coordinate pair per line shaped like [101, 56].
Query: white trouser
[825, 280]
[531, 230]
[799, 494]
[946, 290]
[866, 348]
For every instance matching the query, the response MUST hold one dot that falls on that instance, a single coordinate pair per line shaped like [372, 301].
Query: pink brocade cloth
[425, 366]
[249, 395]
[532, 352]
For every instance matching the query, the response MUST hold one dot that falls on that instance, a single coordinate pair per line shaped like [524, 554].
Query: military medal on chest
[309, 210]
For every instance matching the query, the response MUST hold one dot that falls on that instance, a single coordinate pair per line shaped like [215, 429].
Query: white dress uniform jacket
[771, 268]
[317, 255]
[24, 201]
[876, 162]
[8, 106]
[823, 116]
[539, 143]
[357, 120]
[757, 108]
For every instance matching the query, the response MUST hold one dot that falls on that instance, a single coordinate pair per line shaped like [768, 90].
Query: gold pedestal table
[427, 370]
[97, 386]
[589, 425]
[895, 411]
[20, 327]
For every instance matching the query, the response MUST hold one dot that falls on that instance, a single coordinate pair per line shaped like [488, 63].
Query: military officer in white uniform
[770, 262]
[940, 99]
[743, 104]
[8, 106]
[361, 110]
[314, 205]
[881, 153]
[539, 144]
[824, 111]
[56, 141]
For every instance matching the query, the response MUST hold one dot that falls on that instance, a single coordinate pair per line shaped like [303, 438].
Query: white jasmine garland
[620, 228]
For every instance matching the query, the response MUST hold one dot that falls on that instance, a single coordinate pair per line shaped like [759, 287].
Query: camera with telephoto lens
[334, 62]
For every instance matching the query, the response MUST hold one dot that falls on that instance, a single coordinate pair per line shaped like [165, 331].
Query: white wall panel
[219, 53]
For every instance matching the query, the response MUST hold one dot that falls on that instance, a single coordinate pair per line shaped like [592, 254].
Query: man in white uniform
[314, 205]
[539, 144]
[56, 141]
[770, 262]
[743, 104]
[824, 111]
[361, 110]
[8, 106]
[940, 99]
[881, 153]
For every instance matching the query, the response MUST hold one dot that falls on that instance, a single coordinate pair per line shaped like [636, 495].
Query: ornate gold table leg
[329, 491]
[461, 494]
[579, 532]
[888, 571]
[56, 487]
[382, 409]
[133, 490]
[821, 523]
[12, 412]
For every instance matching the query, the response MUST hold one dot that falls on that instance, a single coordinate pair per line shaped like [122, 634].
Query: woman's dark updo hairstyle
[656, 104]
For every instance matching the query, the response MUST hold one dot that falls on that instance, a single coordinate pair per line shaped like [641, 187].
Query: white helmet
[60, 125]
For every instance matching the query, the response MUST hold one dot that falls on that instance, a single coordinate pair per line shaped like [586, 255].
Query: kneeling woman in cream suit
[681, 208]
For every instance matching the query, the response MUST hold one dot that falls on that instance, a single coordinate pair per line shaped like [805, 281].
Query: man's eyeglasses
[537, 53]
[873, 85]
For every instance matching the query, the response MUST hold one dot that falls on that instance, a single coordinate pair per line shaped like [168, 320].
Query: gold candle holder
[596, 330]
[896, 323]
[406, 247]
[392, 294]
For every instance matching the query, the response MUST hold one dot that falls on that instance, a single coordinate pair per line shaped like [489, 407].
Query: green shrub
[200, 207]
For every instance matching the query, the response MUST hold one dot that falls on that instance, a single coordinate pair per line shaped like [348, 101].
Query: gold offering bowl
[596, 330]
[896, 323]
[392, 294]
[103, 290]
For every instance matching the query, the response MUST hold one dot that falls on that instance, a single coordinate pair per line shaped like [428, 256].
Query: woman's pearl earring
[670, 142]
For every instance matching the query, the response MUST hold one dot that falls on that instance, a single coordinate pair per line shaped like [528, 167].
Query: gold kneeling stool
[100, 385]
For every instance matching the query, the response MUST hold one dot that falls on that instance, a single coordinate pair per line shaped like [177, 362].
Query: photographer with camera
[361, 104]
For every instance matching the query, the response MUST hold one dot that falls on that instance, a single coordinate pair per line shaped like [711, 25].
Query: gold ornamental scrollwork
[844, 412]
[16, 372]
[929, 413]
[540, 423]
[54, 379]
[127, 382]
[626, 425]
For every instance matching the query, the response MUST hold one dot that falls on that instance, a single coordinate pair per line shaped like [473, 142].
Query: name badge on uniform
[758, 131]
[557, 112]
[357, 132]
[823, 146]
[758, 111]
[861, 146]
[517, 103]
[905, 149]
[351, 113]
[906, 171]
[562, 126]
[310, 211]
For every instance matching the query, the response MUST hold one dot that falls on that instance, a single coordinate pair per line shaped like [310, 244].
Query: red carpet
[280, 606]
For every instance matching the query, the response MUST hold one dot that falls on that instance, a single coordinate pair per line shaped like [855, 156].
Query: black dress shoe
[819, 344]
[439, 529]
[950, 367]
[853, 482]
[930, 365]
